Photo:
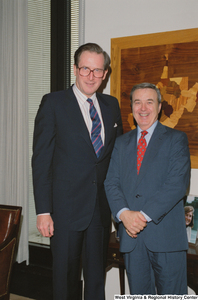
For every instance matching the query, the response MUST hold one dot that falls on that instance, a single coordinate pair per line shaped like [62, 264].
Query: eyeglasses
[85, 71]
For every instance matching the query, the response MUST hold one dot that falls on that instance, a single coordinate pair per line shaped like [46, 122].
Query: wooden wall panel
[169, 60]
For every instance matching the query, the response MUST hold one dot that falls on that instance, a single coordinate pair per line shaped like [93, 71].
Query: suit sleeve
[43, 148]
[176, 181]
[112, 183]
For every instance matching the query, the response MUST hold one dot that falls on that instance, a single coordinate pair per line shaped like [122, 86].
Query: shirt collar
[149, 130]
[80, 95]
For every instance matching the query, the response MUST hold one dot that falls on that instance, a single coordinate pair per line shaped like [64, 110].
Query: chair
[9, 229]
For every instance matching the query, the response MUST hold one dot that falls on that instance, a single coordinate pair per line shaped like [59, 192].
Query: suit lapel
[152, 150]
[77, 121]
[107, 121]
[131, 153]
[76, 118]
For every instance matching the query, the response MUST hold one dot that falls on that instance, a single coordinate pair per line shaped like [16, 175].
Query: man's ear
[105, 74]
[159, 107]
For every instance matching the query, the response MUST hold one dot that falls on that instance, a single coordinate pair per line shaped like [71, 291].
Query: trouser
[67, 249]
[159, 273]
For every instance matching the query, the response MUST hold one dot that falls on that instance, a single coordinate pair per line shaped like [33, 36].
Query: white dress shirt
[84, 107]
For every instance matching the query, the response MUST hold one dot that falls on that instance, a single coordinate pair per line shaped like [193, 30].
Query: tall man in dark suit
[145, 195]
[74, 135]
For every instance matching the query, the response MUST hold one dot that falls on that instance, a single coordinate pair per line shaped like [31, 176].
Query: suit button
[137, 196]
[94, 182]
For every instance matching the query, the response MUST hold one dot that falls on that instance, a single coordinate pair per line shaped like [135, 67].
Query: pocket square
[115, 125]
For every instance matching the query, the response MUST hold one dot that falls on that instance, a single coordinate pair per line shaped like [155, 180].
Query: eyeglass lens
[85, 71]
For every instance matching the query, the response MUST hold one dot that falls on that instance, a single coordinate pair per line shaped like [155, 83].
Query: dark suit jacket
[67, 176]
[157, 190]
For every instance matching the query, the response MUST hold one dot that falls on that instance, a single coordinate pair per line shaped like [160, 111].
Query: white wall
[106, 19]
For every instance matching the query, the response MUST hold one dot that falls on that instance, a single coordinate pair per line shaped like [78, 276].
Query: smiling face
[145, 107]
[188, 217]
[89, 85]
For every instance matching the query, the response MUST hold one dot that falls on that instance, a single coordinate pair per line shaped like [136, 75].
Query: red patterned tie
[141, 149]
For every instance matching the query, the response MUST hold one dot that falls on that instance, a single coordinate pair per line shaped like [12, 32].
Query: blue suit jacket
[157, 190]
[67, 175]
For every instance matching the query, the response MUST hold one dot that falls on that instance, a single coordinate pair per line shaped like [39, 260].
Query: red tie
[141, 149]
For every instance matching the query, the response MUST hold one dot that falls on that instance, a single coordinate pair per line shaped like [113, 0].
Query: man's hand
[45, 225]
[133, 221]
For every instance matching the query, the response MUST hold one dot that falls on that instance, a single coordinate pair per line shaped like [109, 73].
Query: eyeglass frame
[91, 71]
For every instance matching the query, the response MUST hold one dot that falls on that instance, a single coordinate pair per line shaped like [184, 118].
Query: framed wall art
[191, 218]
[170, 61]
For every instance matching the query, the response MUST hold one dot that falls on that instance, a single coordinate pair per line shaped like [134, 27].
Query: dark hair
[146, 85]
[91, 47]
[188, 209]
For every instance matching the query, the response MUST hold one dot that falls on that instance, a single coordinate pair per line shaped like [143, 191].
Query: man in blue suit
[146, 198]
[74, 135]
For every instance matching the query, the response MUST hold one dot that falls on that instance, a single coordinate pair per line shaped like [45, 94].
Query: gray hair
[146, 85]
